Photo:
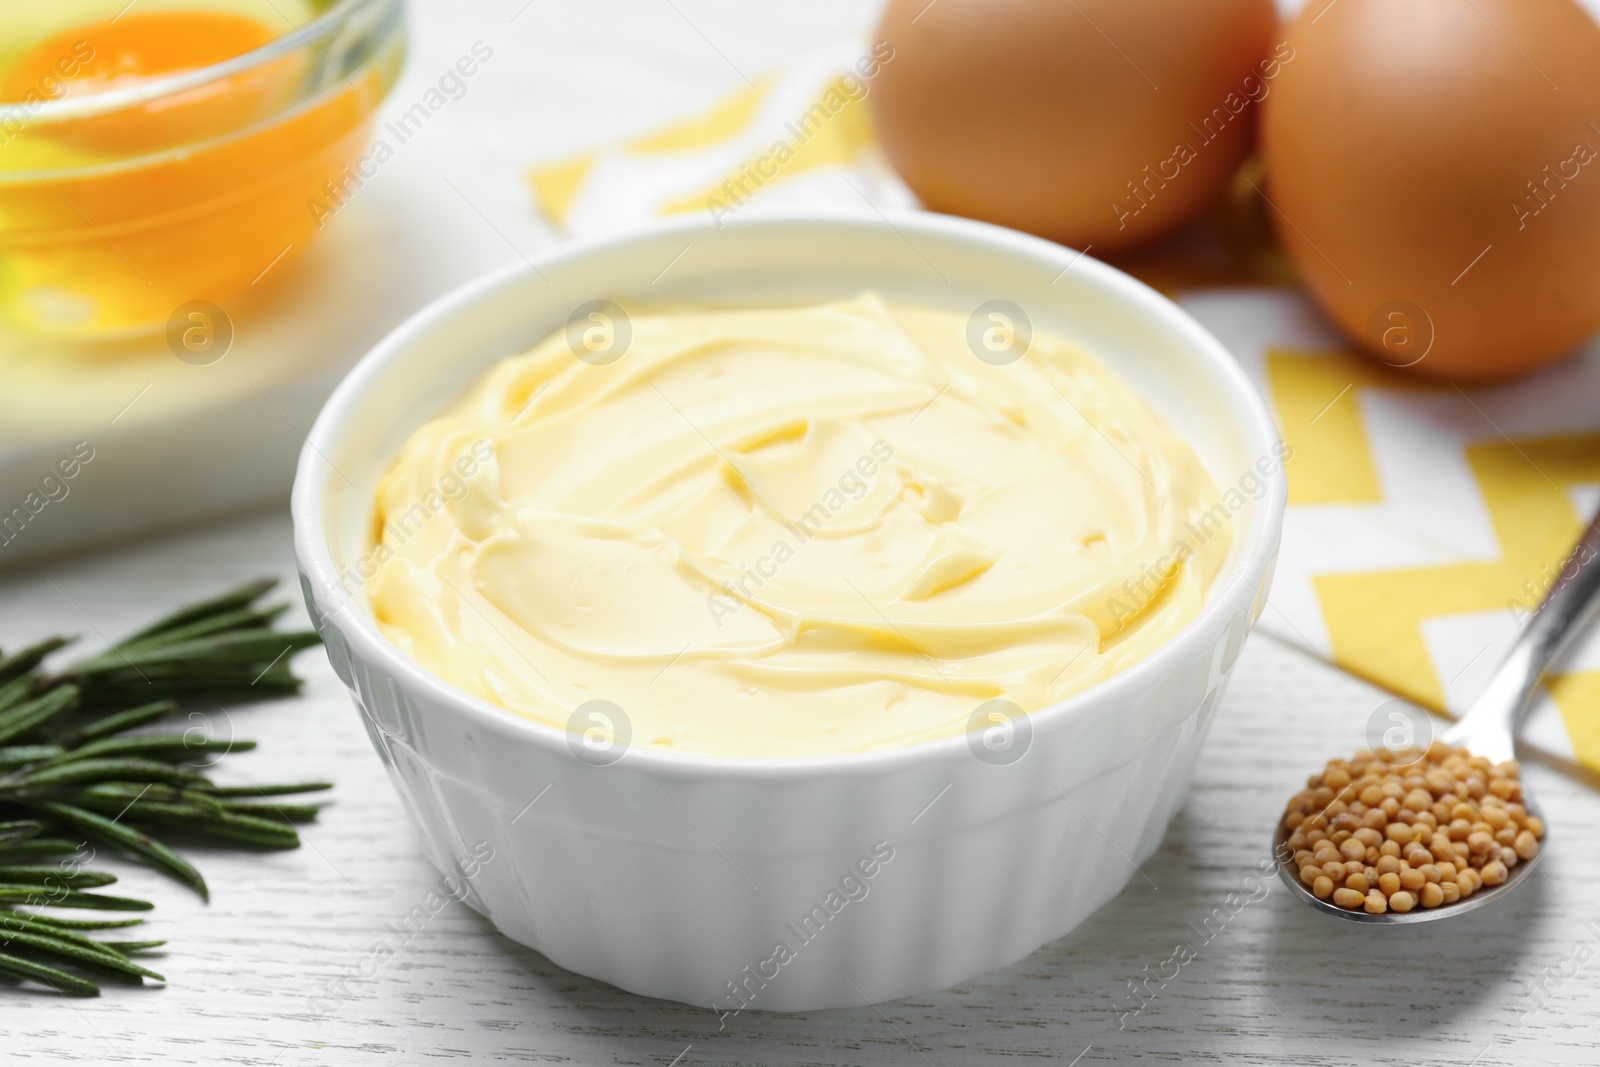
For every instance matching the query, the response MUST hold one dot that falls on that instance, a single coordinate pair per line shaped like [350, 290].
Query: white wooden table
[1277, 985]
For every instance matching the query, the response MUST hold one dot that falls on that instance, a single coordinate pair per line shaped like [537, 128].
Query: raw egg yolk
[131, 48]
[112, 217]
[105, 56]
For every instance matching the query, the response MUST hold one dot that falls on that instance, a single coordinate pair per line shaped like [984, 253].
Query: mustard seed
[1400, 830]
[1349, 898]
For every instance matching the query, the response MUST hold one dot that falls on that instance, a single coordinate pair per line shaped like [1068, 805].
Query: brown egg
[1103, 122]
[1434, 167]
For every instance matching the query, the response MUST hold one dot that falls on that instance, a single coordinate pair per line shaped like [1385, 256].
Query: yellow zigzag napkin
[800, 136]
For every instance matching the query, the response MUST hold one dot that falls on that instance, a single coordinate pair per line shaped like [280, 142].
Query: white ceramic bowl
[679, 876]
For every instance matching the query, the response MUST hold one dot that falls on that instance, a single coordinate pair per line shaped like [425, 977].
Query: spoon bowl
[1489, 728]
[1291, 878]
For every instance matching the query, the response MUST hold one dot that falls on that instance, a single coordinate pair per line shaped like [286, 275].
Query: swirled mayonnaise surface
[790, 531]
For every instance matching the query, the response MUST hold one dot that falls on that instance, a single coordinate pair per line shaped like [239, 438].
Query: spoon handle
[1489, 727]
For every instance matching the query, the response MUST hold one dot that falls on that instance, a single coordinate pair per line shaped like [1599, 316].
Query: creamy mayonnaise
[790, 532]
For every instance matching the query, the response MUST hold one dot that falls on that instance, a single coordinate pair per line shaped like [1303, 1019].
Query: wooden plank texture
[256, 975]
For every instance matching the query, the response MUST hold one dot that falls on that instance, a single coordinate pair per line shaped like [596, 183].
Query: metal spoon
[1489, 728]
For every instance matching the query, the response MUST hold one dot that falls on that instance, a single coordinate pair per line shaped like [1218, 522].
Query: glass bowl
[125, 199]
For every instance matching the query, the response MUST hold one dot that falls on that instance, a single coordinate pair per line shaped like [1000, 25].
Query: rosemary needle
[71, 774]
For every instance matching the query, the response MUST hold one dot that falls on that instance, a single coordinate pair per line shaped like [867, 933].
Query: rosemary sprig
[72, 776]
